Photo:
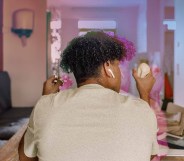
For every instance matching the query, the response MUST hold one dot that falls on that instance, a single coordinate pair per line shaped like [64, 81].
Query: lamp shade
[23, 22]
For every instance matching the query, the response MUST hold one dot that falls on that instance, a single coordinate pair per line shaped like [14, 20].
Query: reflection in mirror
[147, 25]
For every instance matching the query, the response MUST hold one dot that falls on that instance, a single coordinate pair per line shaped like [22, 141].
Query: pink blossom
[67, 82]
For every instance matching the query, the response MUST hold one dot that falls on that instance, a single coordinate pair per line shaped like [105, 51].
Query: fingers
[58, 83]
[50, 80]
[134, 74]
[150, 76]
[144, 85]
[51, 85]
[54, 80]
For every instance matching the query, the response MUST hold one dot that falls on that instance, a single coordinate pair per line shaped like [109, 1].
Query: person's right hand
[144, 85]
[51, 85]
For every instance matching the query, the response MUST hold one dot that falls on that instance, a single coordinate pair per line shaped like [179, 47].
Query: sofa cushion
[6, 132]
[14, 114]
[2, 105]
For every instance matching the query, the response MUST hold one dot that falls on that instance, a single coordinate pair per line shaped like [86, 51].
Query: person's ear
[108, 69]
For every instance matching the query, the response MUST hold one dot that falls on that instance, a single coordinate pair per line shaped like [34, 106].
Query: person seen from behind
[92, 122]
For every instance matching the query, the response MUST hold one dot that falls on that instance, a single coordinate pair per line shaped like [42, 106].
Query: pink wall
[26, 65]
[154, 24]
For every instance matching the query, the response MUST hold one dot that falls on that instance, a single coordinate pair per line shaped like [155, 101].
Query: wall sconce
[23, 21]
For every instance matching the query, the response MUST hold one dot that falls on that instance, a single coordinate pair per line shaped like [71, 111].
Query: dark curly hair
[85, 54]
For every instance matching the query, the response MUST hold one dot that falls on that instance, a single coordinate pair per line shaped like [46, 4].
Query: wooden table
[174, 155]
[176, 158]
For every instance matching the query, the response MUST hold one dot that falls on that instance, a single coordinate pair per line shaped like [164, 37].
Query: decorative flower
[67, 82]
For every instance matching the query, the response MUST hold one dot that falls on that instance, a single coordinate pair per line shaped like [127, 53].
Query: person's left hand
[51, 85]
[144, 85]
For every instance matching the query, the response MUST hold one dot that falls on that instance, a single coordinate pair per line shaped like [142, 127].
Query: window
[88, 25]
[171, 24]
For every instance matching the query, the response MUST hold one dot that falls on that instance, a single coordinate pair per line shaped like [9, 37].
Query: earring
[113, 76]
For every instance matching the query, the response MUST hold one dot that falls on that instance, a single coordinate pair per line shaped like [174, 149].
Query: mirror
[142, 23]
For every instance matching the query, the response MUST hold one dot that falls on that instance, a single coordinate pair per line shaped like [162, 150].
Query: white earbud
[113, 76]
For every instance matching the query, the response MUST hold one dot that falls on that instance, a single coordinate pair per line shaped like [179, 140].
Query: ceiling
[93, 3]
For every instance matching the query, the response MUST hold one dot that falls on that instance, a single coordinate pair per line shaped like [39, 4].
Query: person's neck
[92, 81]
[99, 81]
